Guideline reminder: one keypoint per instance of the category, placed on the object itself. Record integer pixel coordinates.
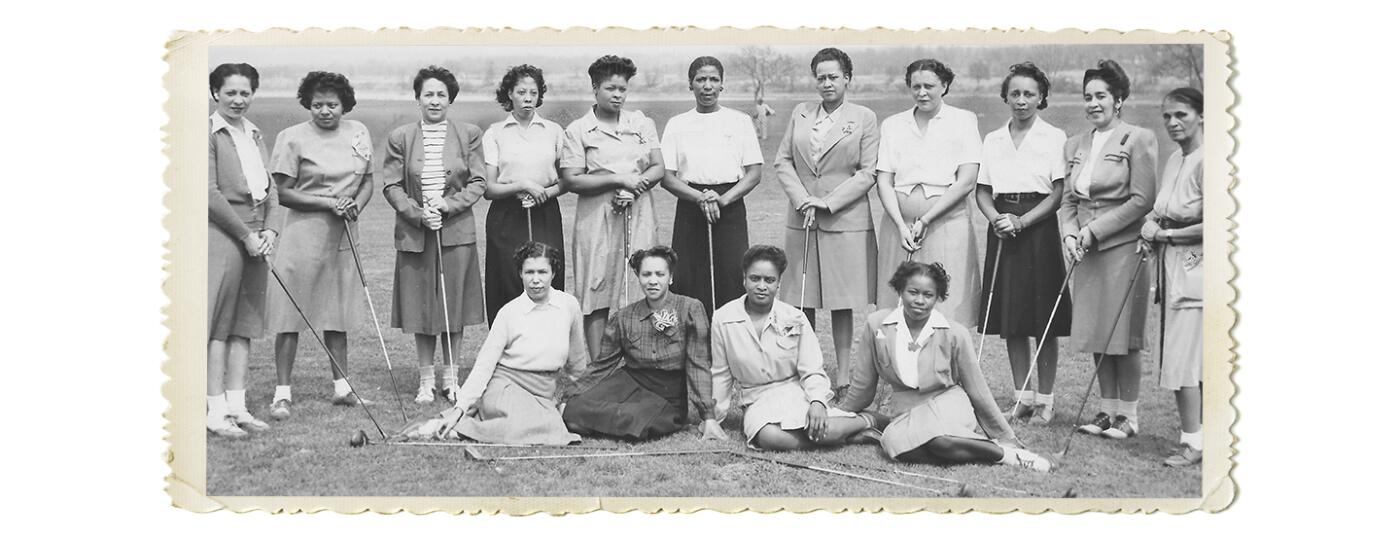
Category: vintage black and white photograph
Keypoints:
(756, 264)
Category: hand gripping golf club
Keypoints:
(1099, 358)
(446, 321)
(1035, 359)
(316, 334)
(364, 283)
(991, 295)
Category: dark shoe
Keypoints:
(281, 409)
(1019, 412)
(1186, 457)
(1041, 415)
(1122, 428)
(350, 400)
(1098, 425)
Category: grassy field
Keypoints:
(310, 455)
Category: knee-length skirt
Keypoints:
(950, 241)
(840, 269)
(948, 413)
(1182, 274)
(237, 289)
(785, 405)
(418, 297)
(631, 403)
(1100, 287)
(731, 240)
(313, 258)
(517, 408)
(1021, 296)
(506, 231)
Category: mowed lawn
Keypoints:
(310, 454)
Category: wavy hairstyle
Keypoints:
(611, 65)
(764, 252)
(224, 71)
(325, 81)
(909, 269)
(834, 54)
(534, 250)
(944, 73)
(1112, 75)
(664, 253)
(1029, 71)
(512, 78)
(443, 75)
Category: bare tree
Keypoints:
(1181, 61)
(764, 65)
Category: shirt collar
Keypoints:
(535, 118)
(734, 312)
(644, 310)
(554, 300)
(896, 317)
(217, 122)
(822, 114)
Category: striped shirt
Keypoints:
(434, 176)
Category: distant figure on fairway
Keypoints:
(762, 112)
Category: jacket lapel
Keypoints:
(803, 136)
(838, 130)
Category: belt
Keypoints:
(1169, 223)
(1020, 197)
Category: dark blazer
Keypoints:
(403, 184)
(231, 205)
(842, 176)
(1122, 190)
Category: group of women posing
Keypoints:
(713, 313)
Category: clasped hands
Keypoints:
(260, 243)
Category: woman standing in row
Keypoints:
(612, 159)
(1112, 181)
(712, 161)
(826, 164)
(1175, 227)
(928, 166)
(432, 177)
(522, 182)
(1018, 189)
(243, 214)
(324, 174)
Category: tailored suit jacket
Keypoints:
(1122, 185)
(403, 184)
(231, 206)
(842, 175)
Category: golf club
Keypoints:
(932, 477)
(316, 334)
(710, 241)
(991, 295)
(530, 223)
(803, 466)
(360, 439)
(472, 454)
(806, 241)
(1035, 358)
(364, 283)
(446, 322)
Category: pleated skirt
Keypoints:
(731, 240)
(950, 241)
(237, 289)
(506, 231)
(517, 408)
(1021, 297)
(418, 297)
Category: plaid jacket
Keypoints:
(632, 339)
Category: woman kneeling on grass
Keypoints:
(655, 356)
(940, 398)
(769, 349)
(509, 395)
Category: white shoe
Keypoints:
(224, 427)
(1027, 459)
(425, 394)
(247, 421)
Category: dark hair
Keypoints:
(703, 61)
(512, 78)
(534, 250)
(832, 53)
(325, 81)
(1112, 75)
(443, 75)
(908, 269)
(1188, 96)
(764, 252)
(664, 253)
(224, 71)
(1029, 71)
(610, 65)
(928, 64)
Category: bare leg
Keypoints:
(218, 357)
(839, 428)
(1018, 349)
(285, 354)
(593, 326)
(1129, 375)
(841, 330)
(1188, 405)
(1047, 364)
(237, 370)
(1108, 375)
(336, 342)
(772, 437)
(949, 450)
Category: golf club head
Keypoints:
(359, 439)
(471, 454)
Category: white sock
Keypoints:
(1026, 397)
(1048, 400)
(1109, 406)
(1128, 409)
(342, 387)
(1195, 440)
(218, 406)
(282, 392)
(425, 375)
(236, 401)
(449, 376)
(1008, 455)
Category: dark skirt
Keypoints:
(237, 289)
(631, 403)
(506, 231)
(418, 297)
(731, 237)
(1029, 277)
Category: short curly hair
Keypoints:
(224, 71)
(832, 53)
(1112, 75)
(934, 271)
(534, 250)
(1029, 71)
(443, 75)
(512, 78)
(701, 62)
(325, 81)
(609, 66)
(764, 252)
(944, 73)
(664, 253)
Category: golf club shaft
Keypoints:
(364, 283)
(446, 321)
(991, 295)
(710, 241)
(806, 241)
(530, 223)
(602, 455)
(459, 444)
(796, 465)
(314, 333)
(931, 477)
(1035, 358)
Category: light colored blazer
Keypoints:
(231, 206)
(842, 176)
(948, 359)
(1122, 190)
(403, 184)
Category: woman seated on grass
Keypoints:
(769, 350)
(509, 395)
(655, 356)
(940, 398)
